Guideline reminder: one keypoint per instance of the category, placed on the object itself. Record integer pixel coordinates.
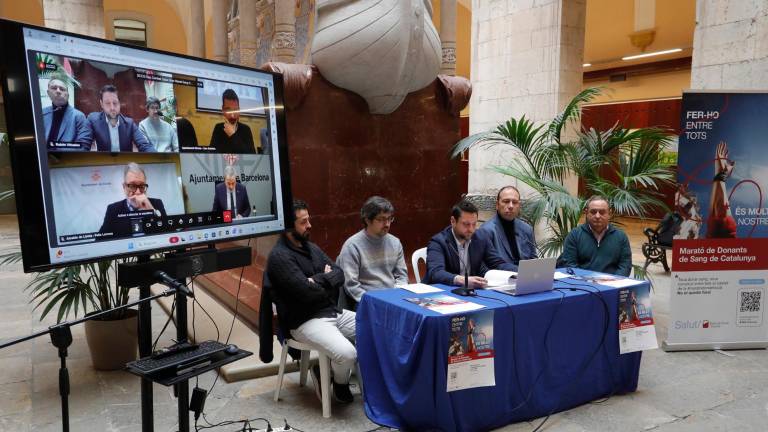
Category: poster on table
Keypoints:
(637, 331)
(720, 253)
(470, 351)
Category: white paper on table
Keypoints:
(420, 288)
(456, 308)
(620, 283)
(561, 275)
(444, 304)
(500, 277)
(470, 374)
(637, 339)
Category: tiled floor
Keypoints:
(693, 391)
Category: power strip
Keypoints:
(276, 429)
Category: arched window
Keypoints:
(130, 31)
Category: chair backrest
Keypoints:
(418, 254)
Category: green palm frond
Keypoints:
(624, 165)
(572, 112)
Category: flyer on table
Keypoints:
(720, 251)
(637, 331)
(470, 351)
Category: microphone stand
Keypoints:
(465, 291)
(61, 338)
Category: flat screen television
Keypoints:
(118, 150)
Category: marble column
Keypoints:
(84, 17)
(219, 30)
(730, 45)
(196, 29)
(284, 40)
(248, 33)
(448, 36)
(526, 59)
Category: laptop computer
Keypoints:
(533, 275)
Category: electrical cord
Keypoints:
(526, 398)
(165, 326)
(231, 326)
(601, 345)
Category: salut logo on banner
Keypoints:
(682, 325)
(699, 324)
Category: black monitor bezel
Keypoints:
(24, 154)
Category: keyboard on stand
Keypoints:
(183, 358)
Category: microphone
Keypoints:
(165, 279)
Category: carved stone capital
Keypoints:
(449, 55)
(284, 40)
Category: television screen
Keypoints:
(119, 150)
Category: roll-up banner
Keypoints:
(720, 254)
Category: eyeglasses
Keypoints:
(133, 187)
(384, 219)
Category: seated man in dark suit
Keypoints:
(231, 195)
(63, 123)
(112, 131)
(450, 250)
(512, 238)
(124, 216)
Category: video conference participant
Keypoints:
(231, 195)
(121, 216)
(158, 131)
(64, 123)
(512, 238)
(112, 131)
(305, 286)
(597, 245)
(231, 136)
(459, 244)
(373, 258)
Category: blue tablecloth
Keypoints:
(403, 353)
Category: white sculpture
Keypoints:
(379, 49)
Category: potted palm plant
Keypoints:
(626, 166)
(78, 289)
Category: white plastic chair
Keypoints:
(418, 254)
(325, 371)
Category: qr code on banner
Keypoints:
(750, 301)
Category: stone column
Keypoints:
(248, 33)
(730, 45)
(196, 29)
(448, 36)
(85, 17)
(526, 59)
(219, 30)
(284, 40)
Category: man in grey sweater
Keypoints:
(372, 258)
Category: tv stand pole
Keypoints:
(145, 350)
(182, 388)
(178, 265)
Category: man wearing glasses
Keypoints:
(124, 217)
(372, 258)
(597, 245)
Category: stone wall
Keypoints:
(730, 45)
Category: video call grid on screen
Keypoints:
(185, 182)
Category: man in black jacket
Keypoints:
(306, 286)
